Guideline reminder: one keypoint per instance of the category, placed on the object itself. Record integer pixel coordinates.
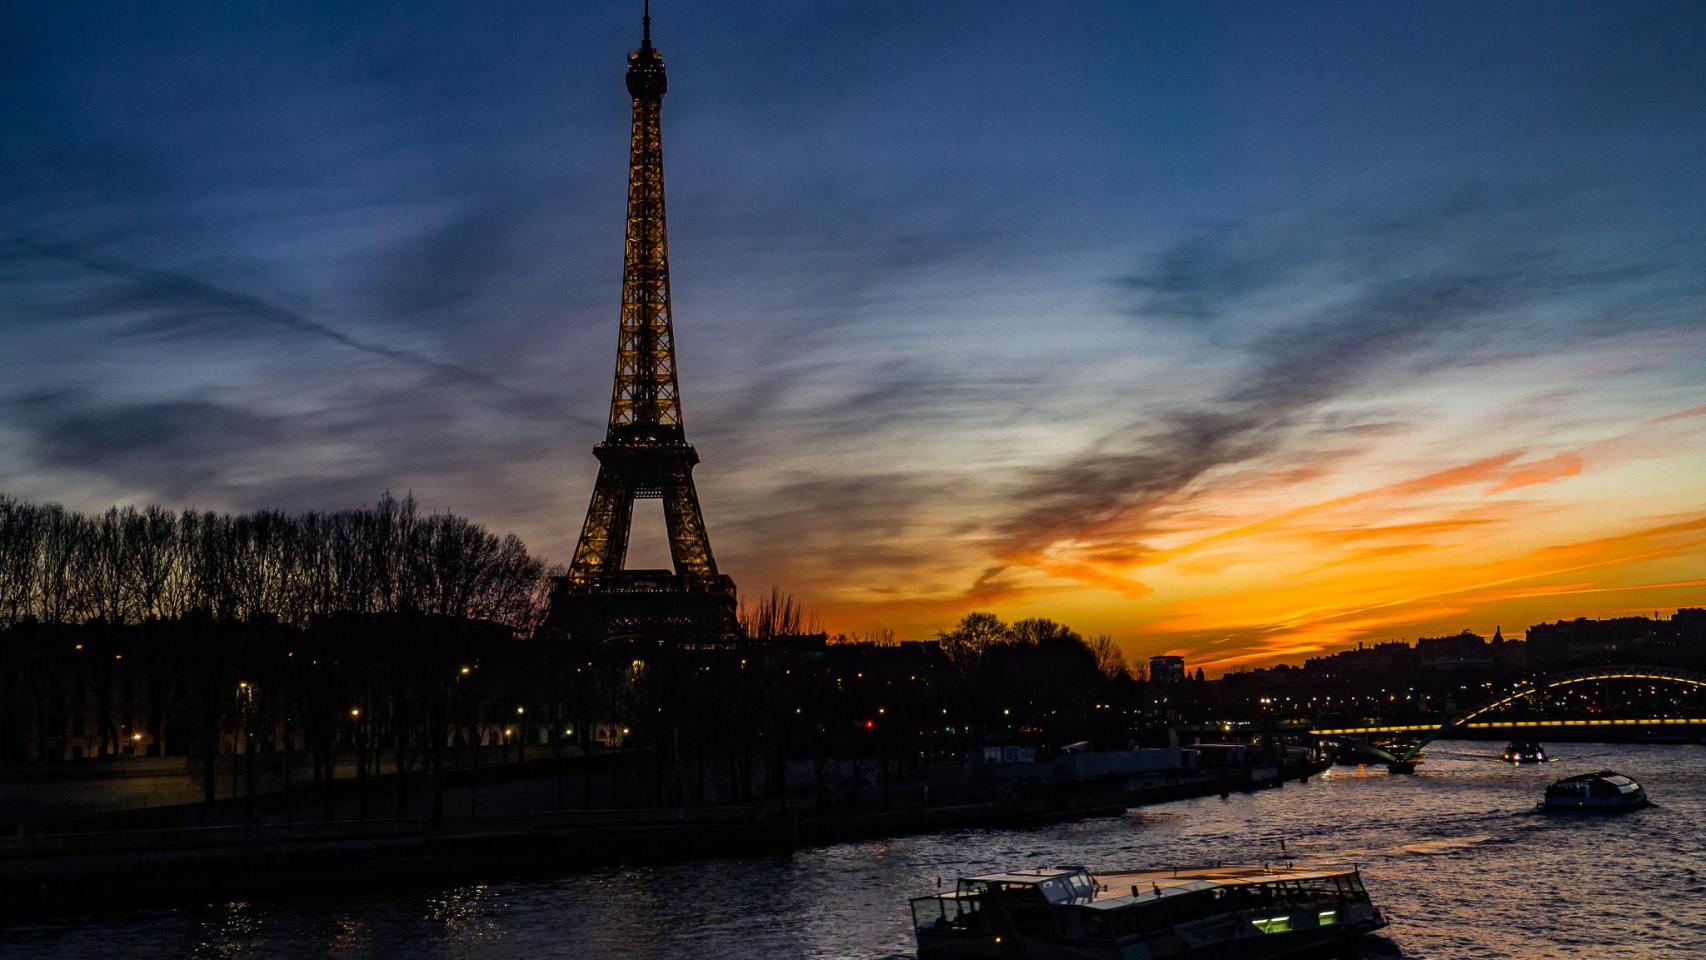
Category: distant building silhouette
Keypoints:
(1167, 670)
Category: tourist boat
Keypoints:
(1605, 791)
(1243, 912)
(1524, 751)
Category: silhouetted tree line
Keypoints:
(356, 634)
(879, 710)
(130, 565)
(980, 635)
(388, 638)
(1041, 681)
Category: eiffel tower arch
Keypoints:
(645, 453)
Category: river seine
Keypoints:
(1453, 855)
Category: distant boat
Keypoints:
(1241, 912)
(1602, 792)
(1524, 751)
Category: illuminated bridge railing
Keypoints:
(1467, 721)
(1508, 724)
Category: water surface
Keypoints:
(1453, 855)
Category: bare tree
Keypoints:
(58, 566)
(20, 551)
(1110, 659)
(777, 614)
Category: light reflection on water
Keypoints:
(1453, 855)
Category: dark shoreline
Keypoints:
(63, 876)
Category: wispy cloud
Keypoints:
(1236, 332)
(216, 306)
(1423, 310)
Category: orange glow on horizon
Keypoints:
(1234, 575)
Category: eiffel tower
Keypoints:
(645, 453)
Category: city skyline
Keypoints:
(1404, 338)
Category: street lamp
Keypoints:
(521, 739)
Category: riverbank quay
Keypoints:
(63, 874)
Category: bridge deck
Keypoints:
(1510, 724)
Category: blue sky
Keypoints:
(977, 303)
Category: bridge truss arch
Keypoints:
(1563, 679)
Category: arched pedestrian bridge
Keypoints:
(1467, 720)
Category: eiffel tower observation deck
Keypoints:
(645, 453)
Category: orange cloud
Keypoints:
(1237, 571)
(1679, 415)
(1540, 471)
(1468, 473)
(1365, 603)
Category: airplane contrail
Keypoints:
(189, 287)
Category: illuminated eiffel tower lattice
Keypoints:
(645, 453)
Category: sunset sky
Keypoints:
(1242, 331)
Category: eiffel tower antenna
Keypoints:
(645, 453)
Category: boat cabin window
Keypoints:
(1055, 890)
(1348, 885)
(949, 915)
(1315, 889)
(968, 887)
(1064, 889)
(1024, 891)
